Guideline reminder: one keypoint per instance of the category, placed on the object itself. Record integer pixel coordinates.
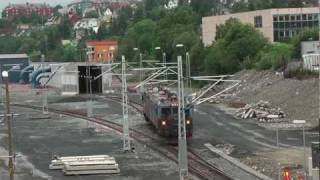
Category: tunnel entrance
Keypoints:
(85, 74)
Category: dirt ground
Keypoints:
(299, 99)
(268, 162)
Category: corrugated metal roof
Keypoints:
(13, 56)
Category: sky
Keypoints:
(4, 3)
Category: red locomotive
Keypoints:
(161, 109)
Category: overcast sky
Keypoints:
(4, 3)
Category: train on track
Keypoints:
(160, 108)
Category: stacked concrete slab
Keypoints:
(85, 165)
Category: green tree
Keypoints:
(65, 28)
(121, 23)
(239, 6)
(92, 14)
(305, 35)
(3, 14)
(203, 7)
(275, 56)
(141, 35)
(295, 3)
(236, 43)
(69, 53)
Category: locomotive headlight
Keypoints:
(188, 122)
(163, 123)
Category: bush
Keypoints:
(300, 74)
(247, 63)
(264, 64)
(306, 35)
(275, 56)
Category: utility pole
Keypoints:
(140, 72)
(125, 112)
(8, 117)
(88, 82)
(188, 70)
(45, 107)
(164, 60)
(183, 159)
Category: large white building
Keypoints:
(275, 24)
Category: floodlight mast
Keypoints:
(183, 158)
(125, 112)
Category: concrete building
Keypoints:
(72, 78)
(102, 51)
(13, 63)
(275, 24)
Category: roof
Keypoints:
(29, 5)
(272, 11)
(13, 56)
(102, 43)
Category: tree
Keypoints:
(203, 7)
(65, 28)
(92, 14)
(239, 6)
(295, 3)
(275, 56)
(120, 24)
(3, 14)
(305, 35)
(236, 43)
(69, 53)
(141, 35)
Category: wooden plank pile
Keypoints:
(261, 111)
(85, 165)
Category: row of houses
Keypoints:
(18, 10)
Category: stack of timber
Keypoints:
(261, 111)
(85, 165)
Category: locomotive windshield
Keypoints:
(187, 112)
(175, 111)
(166, 111)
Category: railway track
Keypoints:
(206, 169)
(197, 165)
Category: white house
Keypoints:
(88, 23)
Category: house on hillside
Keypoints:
(88, 23)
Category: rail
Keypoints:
(197, 165)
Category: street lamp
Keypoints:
(188, 70)
(164, 60)
(5, 76)
(90, 54)
(140, 66)
(303, 122)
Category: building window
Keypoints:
(275, 18)
(258, 21)
(281, 18)
(292, 18)
(287, 25)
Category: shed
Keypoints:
(13, 63)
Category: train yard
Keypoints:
(141, 132)
(151, 134)
(198, 166)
